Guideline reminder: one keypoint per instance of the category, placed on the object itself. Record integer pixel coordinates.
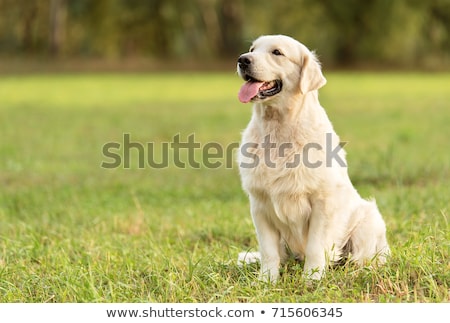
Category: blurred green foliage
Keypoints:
(401, 33)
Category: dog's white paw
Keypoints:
(248, 258)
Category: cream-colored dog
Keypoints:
(294, 170)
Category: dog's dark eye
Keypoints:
(277, 52)
(251, 49)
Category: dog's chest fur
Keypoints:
(272, 169)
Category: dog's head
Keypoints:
(278, 64)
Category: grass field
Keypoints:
(72, 231)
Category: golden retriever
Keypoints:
(293, 167)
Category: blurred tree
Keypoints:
(437, 31)
(23, 26)
(29, 10)
(230, 21)
(347, 32)
(57, 25)
(355, 23)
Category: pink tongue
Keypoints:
(248, 91)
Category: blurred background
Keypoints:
(206, 34)
(72, 231)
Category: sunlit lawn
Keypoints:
(72, 231)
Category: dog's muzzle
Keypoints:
(254, 88)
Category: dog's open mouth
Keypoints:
(258, 89)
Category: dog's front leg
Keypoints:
(315, 260)
(320, 245)
(268, 239)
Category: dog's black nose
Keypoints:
(244, 61)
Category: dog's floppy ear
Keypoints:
(311, 77)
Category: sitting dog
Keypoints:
(294, 170)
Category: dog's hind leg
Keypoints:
(368, 239)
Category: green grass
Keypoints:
(73, 232)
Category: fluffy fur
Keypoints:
(300, 198)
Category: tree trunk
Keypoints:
(58, 14)
(230, 13)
